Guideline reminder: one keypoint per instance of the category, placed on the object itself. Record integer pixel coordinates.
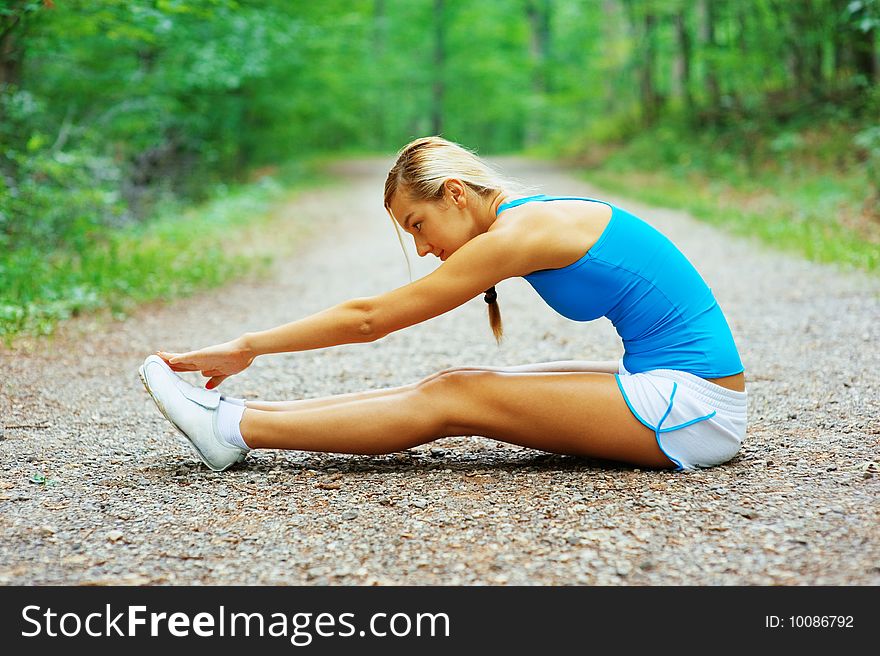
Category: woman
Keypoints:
(676, 399)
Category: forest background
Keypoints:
(140, 138)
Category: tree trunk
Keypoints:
(380, 35)
(683, 61)
(539, 13)
(11, 51)
(840, 41)
(808, 48)
(736, 90)
(865, 54)
(709, 46)
(439, 65)
(643, 22)
(647, 88)
(817, 54)
(855, 50)
(12, 47)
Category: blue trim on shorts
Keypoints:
(656, 429)
(669, 407)
(629, 405)
(688, 423)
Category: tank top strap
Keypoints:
(518, 202)
(544, 197)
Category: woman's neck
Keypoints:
(492, 208)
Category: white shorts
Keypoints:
(697, 423)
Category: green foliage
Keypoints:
(794, 196)
(180, 94)
(115, 111)
(49, 196)
(179, 252)
(869, 141)
(864, 15)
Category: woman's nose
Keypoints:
(423, 249)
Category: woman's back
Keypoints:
(659, 304)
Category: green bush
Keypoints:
(173, 255)
(869, 141)
(788, 185)
(51, 198)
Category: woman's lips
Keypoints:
(441, 256)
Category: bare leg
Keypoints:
(324, 401)
(573, 413)
(558, 366)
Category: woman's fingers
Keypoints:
(181, 366)
(215, 380)
(173, 360)
(209, 364)
(177, 358)
(178, 361)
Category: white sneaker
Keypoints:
(192, 410)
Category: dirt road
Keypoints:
(96, 488)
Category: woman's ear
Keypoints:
(457, 192)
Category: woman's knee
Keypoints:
(452, 379)
(444, 397)
(444, 376)
(454, 393)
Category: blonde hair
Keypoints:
(422, 168)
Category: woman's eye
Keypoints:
(418, 226)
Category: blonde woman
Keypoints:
(675, 400)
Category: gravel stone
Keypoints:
(122, 500)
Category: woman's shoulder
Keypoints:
(560, 231)
(542, 209)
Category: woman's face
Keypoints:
(438, 228)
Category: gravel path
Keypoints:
(95, 488)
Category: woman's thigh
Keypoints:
(575, 413)
(556, 366)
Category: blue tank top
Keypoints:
(662, 309)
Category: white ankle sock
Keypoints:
(228, 420)
(232, 400)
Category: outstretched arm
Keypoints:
(479, 264)
(341, 324)
(345, 323)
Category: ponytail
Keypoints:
(491, 299)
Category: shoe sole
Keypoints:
(179, 429)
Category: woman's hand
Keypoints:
(217, 362)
